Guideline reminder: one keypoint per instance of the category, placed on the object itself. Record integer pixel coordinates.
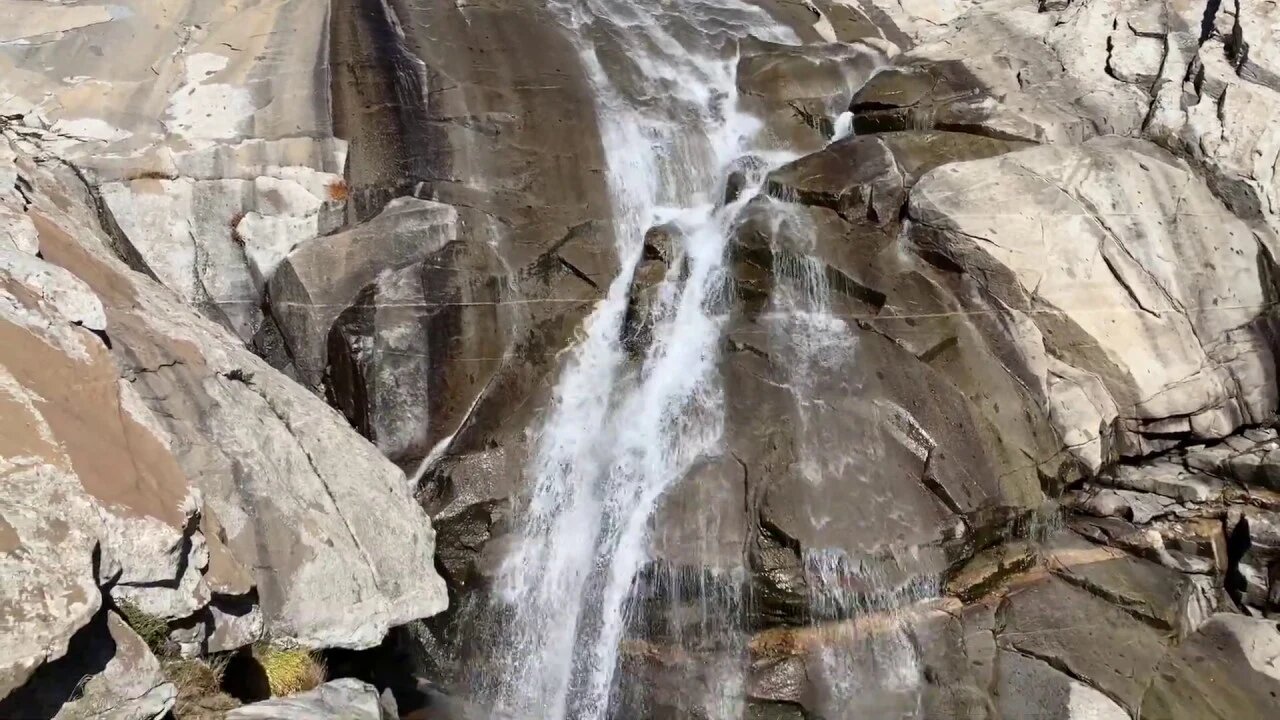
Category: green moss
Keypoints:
(289, 670)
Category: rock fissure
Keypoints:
(132, 375)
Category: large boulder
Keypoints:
(151, 456)
(92, 493)
(322, 277)
(429, 355)
(1142, 311)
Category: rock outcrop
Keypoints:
(1146, 300)
(1226, 669)
(191, 481)
(426, 355)
(226, 159)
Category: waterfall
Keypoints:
(862, 669)
(620, 431)
(843, 125)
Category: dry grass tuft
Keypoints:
(153, 175)
(196, 677)
(199, 684)
(289, 670)
(153, 630)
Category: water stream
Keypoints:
(619, 432)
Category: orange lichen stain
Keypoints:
(338, 191)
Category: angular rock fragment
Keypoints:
(345, 699)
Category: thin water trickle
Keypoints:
(859, 673)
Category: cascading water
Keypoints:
(619, 433)
(867, 664)
(614, 439)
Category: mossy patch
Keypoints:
(289, 670)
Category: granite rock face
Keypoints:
(1147, 303)
(1058, 305)
(192, 482)
(486, 109)
(999, 347)
(1227, 669)
(226, 159)
(1184, 75)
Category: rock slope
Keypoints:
(196, 483)
(154, 465)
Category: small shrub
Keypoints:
(153, 175)
(338, 191)
(236, 237)
(153, 630)
(289, 670)
(239, 375)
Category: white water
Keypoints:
(868, 664)
(615, 439)
(617, 434)
(843, 126)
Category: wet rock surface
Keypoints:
(484, 109)
(1080, 620)
(999, 350)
